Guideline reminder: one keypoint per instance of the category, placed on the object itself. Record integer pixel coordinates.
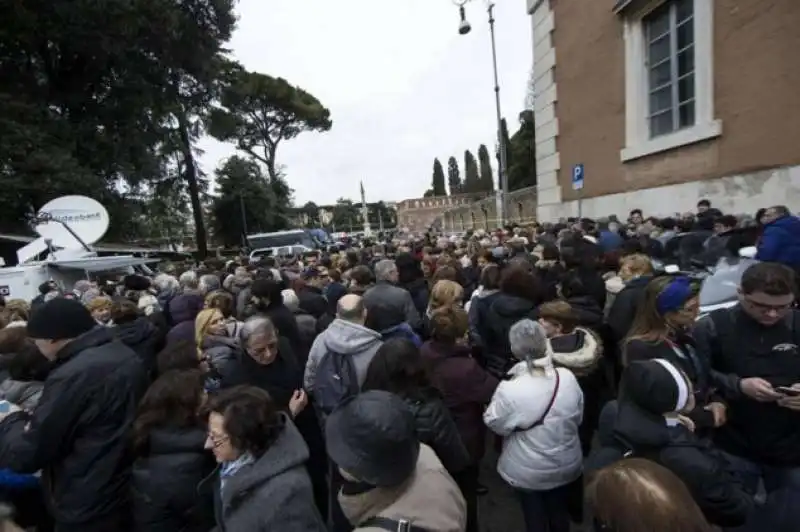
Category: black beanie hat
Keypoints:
(60, 319)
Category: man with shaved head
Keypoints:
(346, 335)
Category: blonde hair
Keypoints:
(635, 265)
(445, 293)
(99, 303)
(17, 310)
(201, 324)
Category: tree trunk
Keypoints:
(194, 189)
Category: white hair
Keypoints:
(148, 304)
(529, 343)
(165, 282)
(290, 299)
(384, 269)
(209, 283)
(188, 279)
(258, 326)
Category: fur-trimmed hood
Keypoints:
(579, 352)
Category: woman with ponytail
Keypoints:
(662, 329)
(538, 412)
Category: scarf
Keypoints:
(229, 469)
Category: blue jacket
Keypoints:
(17, 481)
(781, 242)
(609, 241)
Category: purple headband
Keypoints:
(674, 295)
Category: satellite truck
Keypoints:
(67, 228)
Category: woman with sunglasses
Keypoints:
(662, 330)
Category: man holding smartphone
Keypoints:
(754, 359)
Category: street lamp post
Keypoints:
(502, 185)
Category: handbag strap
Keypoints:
(547, 410)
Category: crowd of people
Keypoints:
(362, 389)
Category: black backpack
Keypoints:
(335, 380)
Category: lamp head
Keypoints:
(463, 26)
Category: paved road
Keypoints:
(499, 509)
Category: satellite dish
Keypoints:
(87, 218)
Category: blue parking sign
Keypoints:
(577, 177)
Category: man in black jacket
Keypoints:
(753, 352)
(77, 435)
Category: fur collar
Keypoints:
(583, 361)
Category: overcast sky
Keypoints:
(402, 86)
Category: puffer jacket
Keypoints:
(538, 456)
(164, 483)
(23, 394)
(430, 499)
(436, 428)
(220, 350)
(781, 242)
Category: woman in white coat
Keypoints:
(538, 412)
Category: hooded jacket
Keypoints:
(346, 338)
(430, 499)
(650, 390)
(506, 310)
(548, 455)
(81, 423)
(143, 337)
(273, 494)
(781, 242)
(183, 310)
(581, 353)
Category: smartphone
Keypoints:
(785, 390)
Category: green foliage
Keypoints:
(486, 178)
(99, 97)
(243, 193)
(346, 216)
(429, 193)
(522, 171)
(311, 211)
(454, 176)
(258, 111)
(437, 181)
(472, 176)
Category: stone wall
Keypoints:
(482, 214)
(418, 214)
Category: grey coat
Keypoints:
(388, 295)
(274, 493)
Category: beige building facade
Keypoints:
(666, 102)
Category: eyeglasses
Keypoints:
(217, 439)
(763, 307)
